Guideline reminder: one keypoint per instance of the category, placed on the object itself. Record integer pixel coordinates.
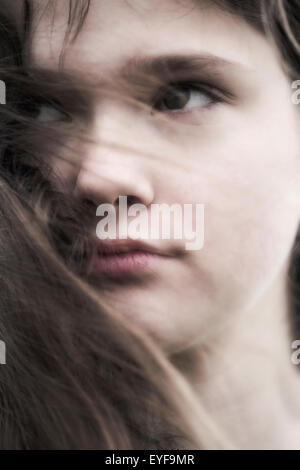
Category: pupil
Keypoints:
(175, 99)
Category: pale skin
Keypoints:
(221, 312)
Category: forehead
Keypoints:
(117, 30)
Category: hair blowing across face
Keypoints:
(77, 375)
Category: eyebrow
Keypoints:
(169, 67)
(171, 63)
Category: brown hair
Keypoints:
(77, 375)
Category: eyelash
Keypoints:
(213, 93)
(35, 105)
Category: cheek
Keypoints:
(251, 217)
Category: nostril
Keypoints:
(130, 200)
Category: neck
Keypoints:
(245, 377)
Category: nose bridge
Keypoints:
(111, 166)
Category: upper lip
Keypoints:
(128, 245)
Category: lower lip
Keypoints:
(124, 262)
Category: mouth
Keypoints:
(125, 256)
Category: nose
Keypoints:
(109, 171)
(103, 183)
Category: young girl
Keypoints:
(165, 103)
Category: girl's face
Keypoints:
(238, 137)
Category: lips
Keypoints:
(123, 256)
(124, 246)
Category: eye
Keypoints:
(48, 113)
(45, 111)
(184, 97)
